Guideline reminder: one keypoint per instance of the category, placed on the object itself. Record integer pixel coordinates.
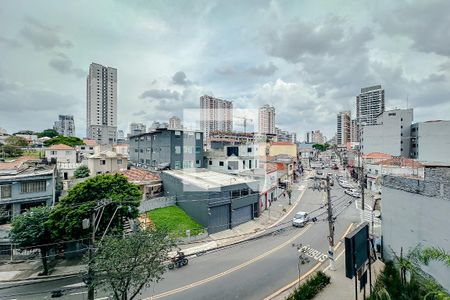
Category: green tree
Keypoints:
(16, 141)
(10, 151)
(67, 216)
(66, 140)
(81, 172)
(30, 230)
(51, 133)
(128, 264)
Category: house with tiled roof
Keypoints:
(107, 162)
(61, 153)
(149, 183)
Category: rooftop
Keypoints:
(15, 164)
(207, 179)
(282, 143)
(90, 142)
(107, 154)
(60, 147)
(400, 162)
(377, 155)
(140, 175)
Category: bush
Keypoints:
(81, 172)
(311, 287)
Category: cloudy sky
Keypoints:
(307, 58)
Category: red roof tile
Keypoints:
(10, 165)
(282, 143)
(60, 147)
(377, 155)
(401, 162)
(140, 175)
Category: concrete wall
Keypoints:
(112, 165)
(417, 211)
(434, 141)
(62, 156)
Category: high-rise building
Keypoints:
(101, 124)
(267, 119)
(65, 125)
(343, 127)
(354, 131)
(120, 135)
(317, 137)
(369, 105)
(137, 128)
(216, 115)
(175, 123)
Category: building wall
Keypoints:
(266, 119)
(391, 135)
(111, 165)
(369, 105)
(431, 141)
(417, 213)
(215, 115)
(343, 127)
(290, 150)
(66, 156)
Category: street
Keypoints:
(254, 269)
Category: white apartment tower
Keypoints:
(343, 127)
(102, 104)
(369, 105)
(65, 125)
(215, 115)
(267, 119)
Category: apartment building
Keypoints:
(215, 115)
(266, 119)
(65, 125)
(369, 105)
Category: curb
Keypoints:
(38, 279)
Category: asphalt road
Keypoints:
(250, 270)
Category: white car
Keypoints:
(353, 192)
(300, 219)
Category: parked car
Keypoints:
(353, 192)
(300, 219)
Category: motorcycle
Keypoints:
(178, 261)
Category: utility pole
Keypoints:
(330, 227)
(91, 257)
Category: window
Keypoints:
(119, 161)
(249, 149)
(53, 152)
(67, 152)
(198, 150)
(5, 191)
(177, 133)
(198, 135)
(244, 192)
(235, 194)
(141, 150)
(33, 186)
(221, 163)
(102, 162)
(177, 149)
(177, 164)
(210, 163)
(197, 163)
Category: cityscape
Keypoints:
(224, 150)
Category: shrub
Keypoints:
(311, 287)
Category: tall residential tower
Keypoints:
(343, 127)
(267, 119)
(215, 115)
(369, 105)
(101, 121)
(65, 125)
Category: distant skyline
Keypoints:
(308, 59)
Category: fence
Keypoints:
(158, 202)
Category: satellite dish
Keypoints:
(376, 213)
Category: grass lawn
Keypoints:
(175, 220)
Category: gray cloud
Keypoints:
(13, 43)
(139, 113)
(41, 36)
(226, 71)
(180, 78)
(425, 23)
(63, 65)
(160, 94)
(263, 70)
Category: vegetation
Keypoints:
(66, 140)
(51, 133)
(10, 151)
(311, 287)
(393, 284)
(175, 221)
(16, 141)
(67, 216)
(81, 172)
(128, 264)
(321, 147)
(30, 230)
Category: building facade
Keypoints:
(137, 128)
(430, 141)
(232, 158)
(266, 119)
(61, 154)
(217, 201)
(167, 148)
(26, 183)
(101, 121)
(390, 134)
(369, 105)
(343, 127)
(106, 162)
(415, 211)
(65, 125)
(215, 115)
(175, 123)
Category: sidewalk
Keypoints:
(11, 272)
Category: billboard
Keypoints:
(356, 249)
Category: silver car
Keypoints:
(300, 219)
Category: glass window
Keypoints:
(177, 133)
(235, 194)
(177, 164)
(244, 192)
(33, 186)
(102, 162)
(197, 135)
(177, 149)
(119, 161)
(221, 163)
(210, 162)
(5, 191)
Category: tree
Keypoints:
(16, 141)
(51, 133)
(10, 151)
(30, 230)
(81, 172)
(128, 264)
(66, 140)
(321, 147)
(67, 216)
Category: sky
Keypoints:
(309, 59)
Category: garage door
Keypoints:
(219, 218)
(241, 215)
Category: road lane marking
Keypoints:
(234, 269)
(289, 285)
(313, 253)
